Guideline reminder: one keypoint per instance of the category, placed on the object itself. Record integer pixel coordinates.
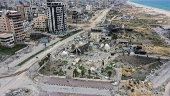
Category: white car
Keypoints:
(106, 77)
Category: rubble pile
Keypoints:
(19, 92)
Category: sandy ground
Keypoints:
(151, 9)
(167, 89)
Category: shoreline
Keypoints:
(150, 9)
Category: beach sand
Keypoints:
(151, 9)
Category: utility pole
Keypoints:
(7, 65)
(76, 19)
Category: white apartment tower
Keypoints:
(106, 3)
(57, 18)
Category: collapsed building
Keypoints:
(82, 51)
(99, 34)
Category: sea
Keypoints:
(160, 4)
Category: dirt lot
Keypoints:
(143, 66)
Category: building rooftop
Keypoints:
(42, 17)
(122, 40)
(26, 5)
(5, 34)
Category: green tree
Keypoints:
(82, 73)
(159, 58)
(96, 74)
(114, 36)
(123, 52)
(109, 74)
(75, 72)
(89, 71)
(48, 55)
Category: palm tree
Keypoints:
(123, 52)
(96, 74)
(159, 58)
(82, 72)
(75, 72)
(109, 74)
(48, 55)
(89, 71)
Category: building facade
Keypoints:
(89, 8)
(6, 39)
(83, 2)
(77, 17)
(12, 22)
(41, 23)
(25, 12)
(57, 17)
(106, 3)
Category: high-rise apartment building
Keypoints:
(89, 8)
(57, 17)
(106, 3)
(41, 23)
(25, 12)
(83, 2)
(11, 22)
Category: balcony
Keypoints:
(17, 27)
(17, 19)
(19, 30)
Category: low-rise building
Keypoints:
(96, 34)
(77, 17)
(6, 39)
(122, 41)
(41, 23)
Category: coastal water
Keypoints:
(160, 4)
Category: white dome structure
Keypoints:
(107, 47)
(64, 53)
(81, 43)
(92, 69)
(101, 45)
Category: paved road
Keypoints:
(78, 90)
(16, 79)
(163, 76)
(36, 49)
(167, 90)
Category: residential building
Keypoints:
(105, 2)
(41, 23)
(122, 41)
(57, 17)
(77, 17)
(89, 8)
(96, 34)
(3, 22)
(11, 22)
(25, 12)
(83, 2)
(6, 39)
